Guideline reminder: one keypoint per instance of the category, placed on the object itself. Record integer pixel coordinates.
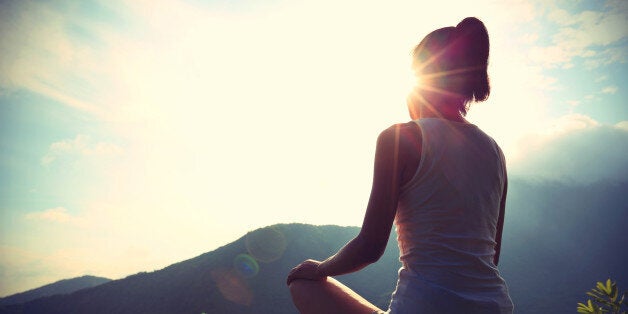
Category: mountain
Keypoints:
(229, 279)
(60, 287)
(559, 239)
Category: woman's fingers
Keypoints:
(305, 270)
(293, 274)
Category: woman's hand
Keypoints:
(307, 270)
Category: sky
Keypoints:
(137, 134)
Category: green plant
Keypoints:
(605, 299)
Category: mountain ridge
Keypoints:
(214, 282)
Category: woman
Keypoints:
(443, 182)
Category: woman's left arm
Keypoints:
(369, 245)
(500, 224)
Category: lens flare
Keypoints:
(246, 265)
(232, 287)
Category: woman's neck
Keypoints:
(430, 104)
(442, 112)
(434, 104)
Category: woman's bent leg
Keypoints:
(328, 296)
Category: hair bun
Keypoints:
(470, 25)
(473, 39)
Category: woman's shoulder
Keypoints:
(402, 128)
(402, 140)
(402, 132)
(405, 136)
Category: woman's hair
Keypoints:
(454, 60)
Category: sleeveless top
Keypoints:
(446, 224)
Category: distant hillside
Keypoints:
(559, 239)
(225, 280)
(60, 287)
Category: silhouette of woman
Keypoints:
(443, 182)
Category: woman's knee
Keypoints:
(327, 296)
(300, 296)
(300, 289)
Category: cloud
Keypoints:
(590, 35)
(610, 89)
(622, 125)
(81, 145)
(37, 54)
(60, 50)
(601, 78)
(58, 215)
(576, 149)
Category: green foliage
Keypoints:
(605, 299)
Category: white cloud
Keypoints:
(58, 215)
(622, 125)
(81, 145)
(40, 56)
(587, 34)
(65, 52)
(575, 149)
(610, 89)
(571, 123)
(610, 55)
(550, 56)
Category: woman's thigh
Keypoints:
(328, 296)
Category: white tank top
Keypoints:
(446, 223)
